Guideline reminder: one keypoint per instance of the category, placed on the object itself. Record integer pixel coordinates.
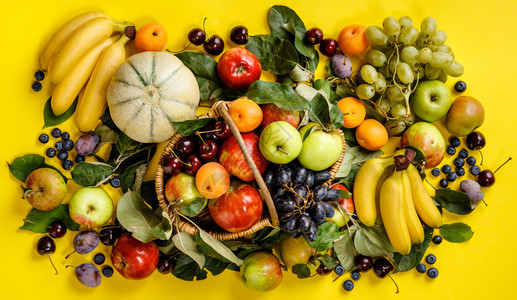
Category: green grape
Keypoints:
(425, 55)
(409, 55)
(380, 83)
(398, 111)
(455, 69)
(376, 58)
(441, 60)
(395, 127)
(405, 73)
(394, 94)
(383, 105)
(393, 65)
(443, 76)
(382, 48)
(368, 73)
(383, 70)
(409, 35)
(420, 72)
(438, 38)
(376, 35)
(391, 26)
(409, 120)
(365, 91)
(445, 49)
(405, 21)
(428, 26)
(431, 72)
(422, 42)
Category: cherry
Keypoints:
(47, 246)
(172, 165)
(57, 229)
(186, 146)
(475, 140)
(328, 47)
(197, 36)
(222, 130)
(314, 36)
(165, 265)
(192, 164)
(239, 35)
(109, 234)
(486, 178)
(214, 45)
(382, 267)
(323, 270)
(364, 263)
(208, 150)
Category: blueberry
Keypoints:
(59, 145)
(62, 155)
(421, 268)
(356, 275)
(444, 183)
(430, 259)
(452, 176)
(455, 142)
(460, 172)
(115, 182)
(463, 153)
(68, 145)
(51, 152)
(65, 135)
(348, 285)
(436, 172)
(446, 169)
(67, 164)
(99, 258)
(43, 138)
(471, 160)
(79, 158)
(475, 170)
(36, 86)
(451, 150)
(339, 270)
(432, 273)
(460, 86)
(458, 162)
(107, 271)
(39, 75)
(437, 239)
(56, 132)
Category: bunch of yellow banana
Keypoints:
(80, 59)
(398, 198)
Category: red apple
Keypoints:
(232, 159)
(346, 203)
(238, 68)
(272, 113)
(134, 259)
(261, 271)
(238, 209)
(426, 137)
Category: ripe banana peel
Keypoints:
(415, 228)
(424, 204)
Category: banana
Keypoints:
(82, 39)
(66, 91)
(424, 205)
(385, 174)
(63, 34)
(93, 102)
(415, 228)
(393, 215)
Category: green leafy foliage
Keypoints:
(301, 271)
(345, 250)
(219, 247)
(275, 55)
(407, 262)
(91, 173)
(281, 95)
(189, 127)
(39, 220)
(22, 166)
(128, 178)
(454, 201)
(456, 232)
(126, 145)
(53, 120)
(355, 156)
(215, 266)
(186, 243)
(187, 269)
(328, 232)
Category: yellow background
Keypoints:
(483, 37)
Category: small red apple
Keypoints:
(238, 68)
(232, 159)
(426, 137)
(261, 271)
(346, 203)
(238, 209)
(272, 113)
(134, 259)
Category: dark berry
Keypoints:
(36, 86)
(57, 229)
(328, 47)
(444, 183)
(196, 36)
(460, 172)
(437, 239)
(314, 36)
(382, 267)
(109, 234)
(339, 270)
(446, 169)
(165, 265)
(59, 145)
(430, 259)
(455, 142)
(39, 75)
(51, 152)
(43, 138)
(62, 155)
(56, 132)
(239, 35)
(475, 170)
(364, 263)
(432, 273)
(452, 176)
(214, 45)
(79, 158)
(475, 140)
(46, 245)
(460, 86)
(67, 164)
(463, 153)
(356, 275)
(68, 145)
(348, 285)
(486, 178)
(115, 182)
(436, 172)
(459, 162)
(471, 160)
(421, 268)
(65, 135)
(323, 270)
(99, 258)
(107, 271)
(451, 150)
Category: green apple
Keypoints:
(91, 206)
(280, 142)
(45, 189)
(466, 114)
(261, 271)
(431, 100)
(320, 149)
(182, 187)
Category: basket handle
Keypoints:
(222, 109)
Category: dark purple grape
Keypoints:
(285, 216)
(86, 144)
(57, 229)
(313, 233)
(282, 176)
(314, 36)
(239, 35)
(46, 245)
(300, 191)
(285, 206)
(332, 195)
(197, 36)
(277, 193)
(304, 223)
(296, 233)
(321, 177)
(165, 264)
(299, 175)
(291, 224)
(214, 45)
(319, 193)
(86, 241)
(309, 180)
(109, 234)
(318, 212)
(269, 178)
(88, 275)
(322, 270)
(329, 209)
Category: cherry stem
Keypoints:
(32, 222)
(175, 155)
(174, 52)
(198, 133)
(481, 156)
(429, 183)
(52, 263)
(394, 283)
(204, 30)
(66, 257)
(484, 202)
(509, 158)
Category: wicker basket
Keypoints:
(203, 220)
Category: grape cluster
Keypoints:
(301, 198)
(399, 57)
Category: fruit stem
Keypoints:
(175, 155)
(174, 52)
(481, 156)
(32, 222)
(509, 158)
(429, 183)
(66, 257)
(282, 150)
(52, 263)
(198, 133)
(394, 283)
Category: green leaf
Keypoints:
(194, 207)
(91, 173)
(456, 232)
(343, 90)
(407, 262)
(378, 236)
(189, 127)
(281, 95)
(187, 269)
(323, 86)
(279, 18)
(328, 232)
(215, 266)
(219, 247)
(106, 135)
(136, 217)
(355, 156)
(301, 270)
(162, 231)
(454, 201)
(320, 110)
(22, 166)
(126, 145)
(344, 249)
(310, 56)
(366, 247)
(204, 68)
(328, 261)
(38, 220)
(186, 243)
(128, 177)
(53, 120)
(336, 117)
(348, 181)
(275, 55)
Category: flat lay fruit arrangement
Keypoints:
(293, 174)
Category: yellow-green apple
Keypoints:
(280, 142)
(91, 206)
(431, 100)
(238, 68)
(295, 251)
(182, 187)
(232, 159)
(320, 149)
(466, 114)
(261, 271)
(272, 113)
(134, 259)
(426, 137)
(44, 189)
